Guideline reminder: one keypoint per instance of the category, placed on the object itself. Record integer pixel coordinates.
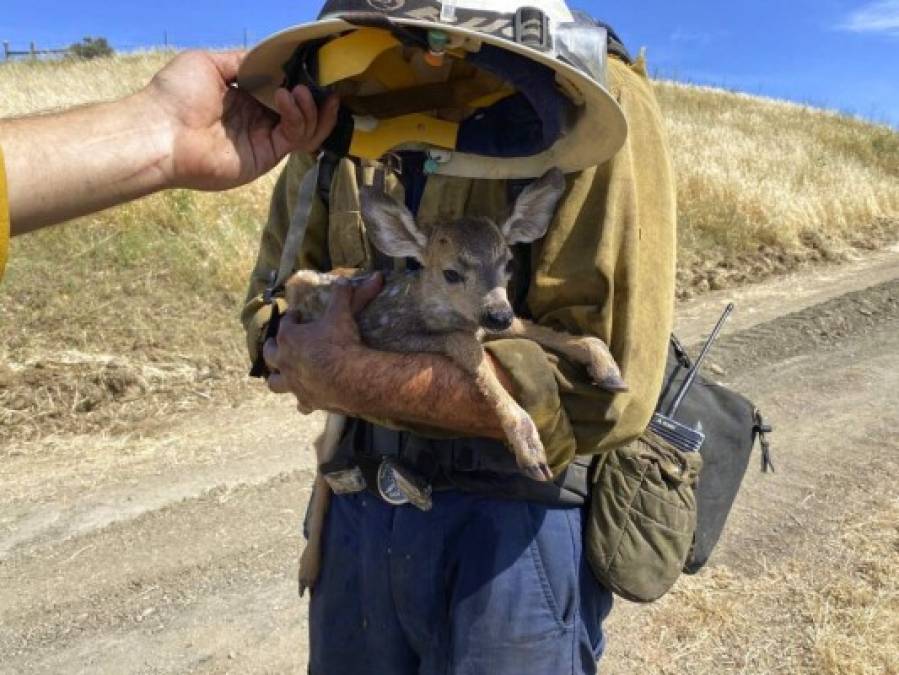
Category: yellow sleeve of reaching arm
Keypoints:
(4, 217)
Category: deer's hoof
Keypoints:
(309, 571)
(538, 472)
(416, 490)
(602, 367)
(613, 384)
(529, 452)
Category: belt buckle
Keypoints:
(388, 486)
(399, 486)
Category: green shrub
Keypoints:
(92, 48)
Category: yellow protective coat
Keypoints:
(4, 217)
(605, 268)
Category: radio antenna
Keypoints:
(694, 371)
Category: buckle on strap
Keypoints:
(346, 482)
(762, 431)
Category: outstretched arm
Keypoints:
(188, 128)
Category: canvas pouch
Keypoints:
(640, 531)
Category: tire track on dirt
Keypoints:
(152, 569)
(825, 326)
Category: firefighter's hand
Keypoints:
(222, 137)
(307, 359)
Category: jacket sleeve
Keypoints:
(313, 255)
(606, 268)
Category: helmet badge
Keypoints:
(387, 5)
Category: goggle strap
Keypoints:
(439, 96)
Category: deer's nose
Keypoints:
(498, 319)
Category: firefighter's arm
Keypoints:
(606, 268)
(326, 366)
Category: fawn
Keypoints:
(456, 301)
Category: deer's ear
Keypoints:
(391, 227)
(535, 208)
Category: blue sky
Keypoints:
(832, 53)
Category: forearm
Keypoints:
(65, 165)
(417, 389)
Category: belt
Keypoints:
(481, 466)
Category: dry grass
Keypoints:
(765, 185)
(115, 321)
(29, 87)
(854, 622)
(832, 610)
(121, 318)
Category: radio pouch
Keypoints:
(656, 512)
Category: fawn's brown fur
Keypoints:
(454, 303)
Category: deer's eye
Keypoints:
(453, 277)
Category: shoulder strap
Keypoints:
(299, 223)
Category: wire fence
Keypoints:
(33, 52)
(165, 41)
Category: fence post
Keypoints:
(6, 50)
(33, 52)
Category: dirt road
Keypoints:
(176, 553)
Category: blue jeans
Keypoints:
(477, 586)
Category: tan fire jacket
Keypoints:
(606, 268)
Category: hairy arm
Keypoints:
(189, 128)
(417, 389)
(66, 165)
(326, 366)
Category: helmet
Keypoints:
(489, 89)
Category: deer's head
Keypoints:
(467, 264)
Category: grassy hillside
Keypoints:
(131, 314)
(765, 185)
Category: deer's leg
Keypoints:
(309, 292)
(588, 351)
(311, 559)
(518, 426)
